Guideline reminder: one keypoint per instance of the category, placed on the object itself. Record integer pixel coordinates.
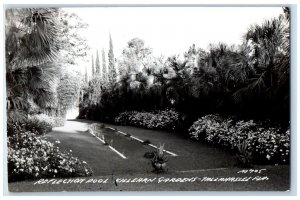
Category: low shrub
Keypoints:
(159, 160)
(124, 118)
(59, 121)
(166, 119)
(42, 123)
(265, 144)
(39, 126)
(54, 121)
(30, 156)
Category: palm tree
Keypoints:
(266, 48)
(31, 45)
(177, 77)
(31, 36)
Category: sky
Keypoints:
(169, 30)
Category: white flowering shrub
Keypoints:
(166, 119)
(58, 121)
(31, 156)
(43, 118)
(42, 123)
(38, 125)
(266, 145)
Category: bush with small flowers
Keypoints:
(165, 119)
(43, 123)
(31, 156)
(267, 145)
(38, 126)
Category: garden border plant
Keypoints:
(266, 145)
(159, 160)
(30, 156)
(168, 119)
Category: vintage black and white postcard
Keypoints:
(148, 98)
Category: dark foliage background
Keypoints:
(250, 80)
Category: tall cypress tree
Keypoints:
(93, 68)
(97, 63)
(111, 63)
(86, 76)
(104, 73)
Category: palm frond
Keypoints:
(32, 36)
(18, 102)
(238, 70)
(15, 115)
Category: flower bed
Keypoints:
(42, 123)
(266, 145)
(31, 156)
(166, 119)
